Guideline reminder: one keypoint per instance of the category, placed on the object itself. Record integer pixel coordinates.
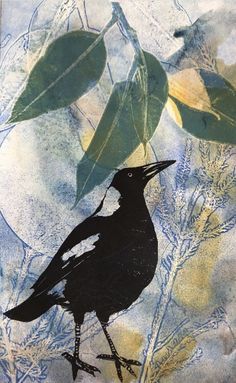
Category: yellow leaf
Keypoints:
(173, 111)
(188, 87)
(140, 156)
(227, 71)
(85, 130)
(86, 135)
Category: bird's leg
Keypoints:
(77, 340)
(76, 362)
(115, 357)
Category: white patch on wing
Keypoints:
(59, 287)
(82, 247)
(110, 202)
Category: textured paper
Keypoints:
(190, 303)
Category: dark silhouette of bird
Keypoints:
(102, 266)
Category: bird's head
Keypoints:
(132, 180)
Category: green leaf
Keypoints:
(123, 125)
(71, 66)
(220, 125)
(149, 96)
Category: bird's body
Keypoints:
(103, 265)
(119, 267)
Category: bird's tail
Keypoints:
(32, 308)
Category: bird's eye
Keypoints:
(130, 174)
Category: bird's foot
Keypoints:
(121, 362)
(78, 364)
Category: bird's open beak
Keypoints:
(152, 169)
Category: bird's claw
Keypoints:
(121, 362)
(78, 364)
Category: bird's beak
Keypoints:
(152, 169)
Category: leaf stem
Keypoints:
(139, 55)
(130, 32)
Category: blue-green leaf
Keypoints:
(131, 117)
(220, 125)
(71, 66)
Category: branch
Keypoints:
(159, 315)
(189, 253)
(130, 32)
(169, 337)
(170, 357)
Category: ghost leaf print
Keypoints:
(130, 118)
(206, 111)
(71, 66)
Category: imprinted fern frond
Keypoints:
(220, 229)
(204, 149)
(223, 152)
(177, 353)
(195, 358)
(172, 357)
(190, 252)
(167, 224)
(40, 330)
(227, 183)
(183, 169)
(165, 216)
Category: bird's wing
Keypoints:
(84, 235)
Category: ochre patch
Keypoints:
(171, 357)
(193, 286)
(128, 344)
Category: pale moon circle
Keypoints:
(38, 161)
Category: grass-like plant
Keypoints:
(187, 222)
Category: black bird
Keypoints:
(114, 258)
